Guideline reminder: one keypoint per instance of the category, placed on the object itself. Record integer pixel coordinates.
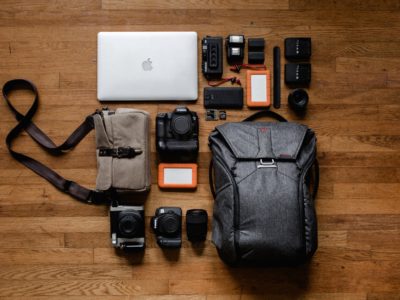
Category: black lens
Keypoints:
(129, 224)
(169, 223)
(298, 100)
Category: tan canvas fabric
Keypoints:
(123, 128)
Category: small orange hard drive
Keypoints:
(258, 88)
(177, 176)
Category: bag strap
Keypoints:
(265, 113)
(25, 123)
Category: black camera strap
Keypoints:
(25, 124)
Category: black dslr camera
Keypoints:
(127, 227)
(167, 224)
(177, 135)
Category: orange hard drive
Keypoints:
(177, 176)
(258, 88)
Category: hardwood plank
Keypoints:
(54, 224)
(64, 272)
(82, 288)
(31, 240)
(182, 4)
(368, 5)
(45, 256)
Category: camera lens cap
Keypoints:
(298, 100)
(128, 224)
(181, 124)
(169, 223)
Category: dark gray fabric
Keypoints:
(263, 215)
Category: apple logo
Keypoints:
(146, 65)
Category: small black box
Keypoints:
(256, 44)
(298, 48)
(223, 97)
(256, 57)
(298, 75)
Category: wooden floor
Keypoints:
(52, 247)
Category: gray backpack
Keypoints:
(261, 176)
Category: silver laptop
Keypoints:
(147, 66)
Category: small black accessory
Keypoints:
(256, 57)
(177, 135)
(212, 115)
(277, 77)
(223, 97)
(298, 74)
(167, 225)
(212, 64)
(215, 115)
(298, 100)
(298, 48)
(256, 44)
(196, 224)
(256, 50)
(127, 227)
(235, 49)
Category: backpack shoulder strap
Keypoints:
(25, 124)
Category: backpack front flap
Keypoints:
(259, 210)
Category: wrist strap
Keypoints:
(25, 124)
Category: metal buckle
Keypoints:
(264, 164)
(127, 152)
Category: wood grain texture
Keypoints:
(52, 247)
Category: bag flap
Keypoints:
(256, 140)
(123, 128)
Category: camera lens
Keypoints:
(298, 100)
(181, 125)
(129, 224)
(169, 223)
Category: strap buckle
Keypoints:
(266, 164)
(127, 152)
(120, 152)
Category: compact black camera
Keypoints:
(177, 135)
(127, 227)
(167, 225)
(212, 53)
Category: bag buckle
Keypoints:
(266, 164)
(127, 152)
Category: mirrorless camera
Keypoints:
(177, 135)
(127, 227)
(167, 224)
